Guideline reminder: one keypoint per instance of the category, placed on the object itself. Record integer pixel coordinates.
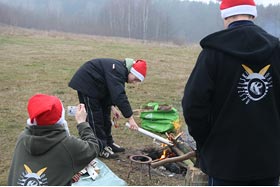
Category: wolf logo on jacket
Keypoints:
(29, 178)
(254, 86)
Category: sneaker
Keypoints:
(116, 148)
(108, 153)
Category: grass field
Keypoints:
(43, 62)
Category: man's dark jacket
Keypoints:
(104, 79)
(231, 104)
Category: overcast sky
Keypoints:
(258, 2)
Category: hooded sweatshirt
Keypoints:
(47, 155)
(231, 104)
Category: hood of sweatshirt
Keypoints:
(39, 139)
(247, 42)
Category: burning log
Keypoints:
(173, 159)
(181, 148)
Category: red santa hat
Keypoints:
(139, 69)
(234, 7)
(45, 110)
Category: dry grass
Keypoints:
(43, 62)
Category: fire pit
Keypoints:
(142, 160)
(175, 153)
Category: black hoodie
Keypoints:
(231, 104)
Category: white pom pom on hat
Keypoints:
(139, 69)
(236, 7)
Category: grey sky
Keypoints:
(258, 2)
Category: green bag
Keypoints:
(158, 118)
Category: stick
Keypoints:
(189, 162)
(173, 159)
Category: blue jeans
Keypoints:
(260, 182)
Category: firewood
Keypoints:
(182, 149)
(173, 159)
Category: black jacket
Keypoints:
(104, 79)
(231, 104)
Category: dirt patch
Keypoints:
(140, 176)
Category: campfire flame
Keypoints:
(167, 151)
(164, 154)
(177, 125)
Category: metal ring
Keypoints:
(142, 159)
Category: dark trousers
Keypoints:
(99, 118)
(261, 182)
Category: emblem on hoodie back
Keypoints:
(28, 178)
(254, 86)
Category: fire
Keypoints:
(177, 125)
(164, 154)
(167, 151)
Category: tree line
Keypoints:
(174, 21)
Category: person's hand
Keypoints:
(81, 114)
(133, 124)
(116, 113)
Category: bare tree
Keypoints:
(129, 19)
(146, 6)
